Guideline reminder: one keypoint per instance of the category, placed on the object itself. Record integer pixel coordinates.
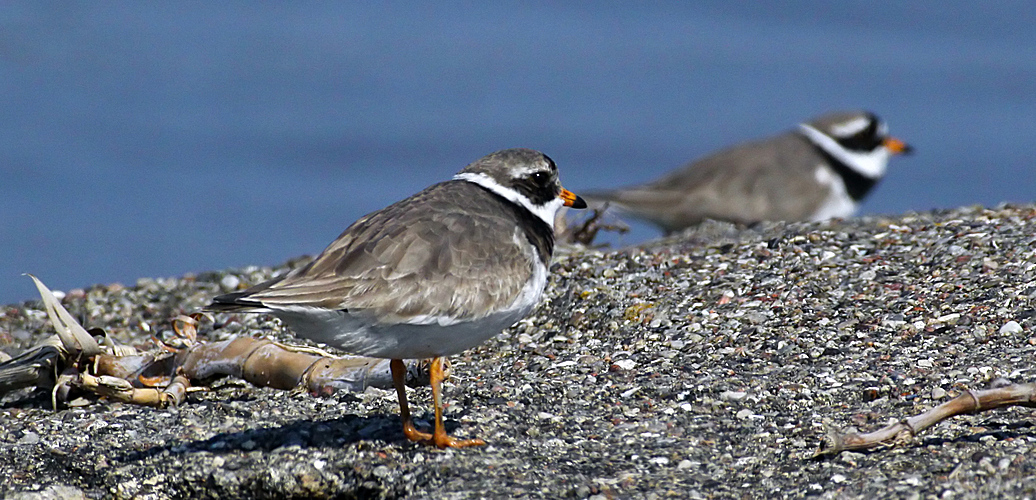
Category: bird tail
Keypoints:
(235, 302)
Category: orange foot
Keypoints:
(438, 439)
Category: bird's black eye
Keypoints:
(540, 178)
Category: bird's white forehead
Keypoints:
(851, 127)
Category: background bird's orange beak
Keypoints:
(571, 200)
(897, 146)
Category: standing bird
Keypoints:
(429, 276)
(820, 170)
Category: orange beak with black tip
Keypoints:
(897, 147)
(571, 200)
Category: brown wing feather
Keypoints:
(442, 252)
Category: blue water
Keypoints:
(143, 139)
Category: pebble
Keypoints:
(1010, 328)
(230, 282)
(733, 395)
(626, 364)
(29, 438)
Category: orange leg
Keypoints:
(399, 380)
(439, 438)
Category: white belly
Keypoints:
(838, 203)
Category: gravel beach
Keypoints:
(706, 365)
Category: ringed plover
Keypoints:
(429, 276)
(820, 170)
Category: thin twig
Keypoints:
(901, 432)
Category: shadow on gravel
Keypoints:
(1001, 431)
(331, 433)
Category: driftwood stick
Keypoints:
(119, 389)
(74, 359)
(35, 367)
(265, 363)
(584, 233)
(904, 430)
(260, 362)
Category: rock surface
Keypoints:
(701, 366)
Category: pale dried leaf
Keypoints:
(74, 337)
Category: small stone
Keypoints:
(938, 393)
(625, 364)
(1010, 328)
(850, 458)
(54, 491)
(29, 438)
(230, 282)
(744, 414)
(893, 321)
(733, 395)
(582, 491)
(871, 393)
